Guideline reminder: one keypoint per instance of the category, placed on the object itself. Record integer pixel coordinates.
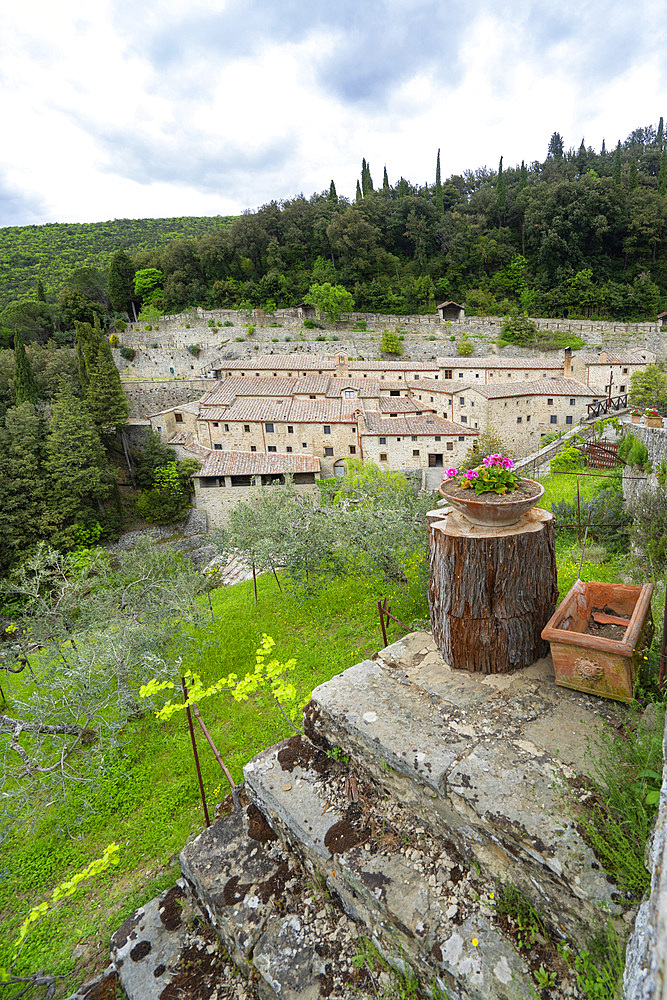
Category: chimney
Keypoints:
(567, 363)
(341, 364)
(602, 357)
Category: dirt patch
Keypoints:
(234, 891)
(141, 950)
(274, 885)
(302, 753)
(341, 837)
(258, 827)
(607, 630)
(199, 973)
(170, 908)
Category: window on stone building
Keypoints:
(327, 429)
(353, 449)
(415, 452)
(383, 440)
(464, 419)
(272, 447)
(462, 437)
(290, 429)
(227, 427)
(217, 447)
(462, 400)
(253, 447)
(268, 428)
(449, 445)
(394, 392)
(312, 397)
(448, 373)
(246, 428)
(288, 448)
(569, 419)
(460, 374)
(328, 452)
(553, 419)
(413, 437)
(625, 371)
(621, 388)
(304, 444)
(178, 417)
(519, 420)
(437, 437)
(528, 419)
(383, 456)
(208, 481)
(242, 481)
(550, 402)
(573, 402)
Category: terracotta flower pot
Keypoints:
(653, 421)
(593, 663)
(491, 510)
(636, 418)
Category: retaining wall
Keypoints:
(146, 397)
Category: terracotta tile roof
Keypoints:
(403, 404)
(294, 361)
(537, 387)
(366, 387)
(376, 423)
(179, 408)
(248, 463)
(632, 357)
(184, 439)
(491, 361)
(289, 411)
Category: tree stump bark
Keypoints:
(492, 591)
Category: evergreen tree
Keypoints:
(439, 200)
(632, 179)
(616, 169)
(121, 281)
(501, 191)
(366, 179)
(523, 176)
(581, 159)
(603, 148)
(660, 133)
(662, 173)
(555, 150)
(22, 486)
(88, 340)
(25, 386)
(41, 295)
(77, 481)
(106, 400)
(358, 195)
(332, 196)
(385, 181)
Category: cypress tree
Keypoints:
(332, 196)
(581, 159)
(662, 173)
(439, 200)
(603, 148)
(358, 196)
(523, 176)
(77, 480)
(22, 486)
(106, 400)
(501, 190)
(121, 281)
(41, 295)
(659, 134)
(88, 339)
(616, 169)
(385, 181)
(632, 179)
(25, 387)
(366, 179)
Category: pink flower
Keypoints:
(471, 474)
(507, 463)
(451, 472)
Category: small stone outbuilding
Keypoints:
(451, 311)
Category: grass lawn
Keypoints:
(148, 799)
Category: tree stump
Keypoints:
(492, 591)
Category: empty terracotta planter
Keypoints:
(594, 663)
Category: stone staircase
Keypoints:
(415, 795)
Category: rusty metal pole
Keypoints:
(233, 786)
(194, 751)
(663, 648)
(384, 632)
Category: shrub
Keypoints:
(218, 323)
(361, 325)
(634, 453)
(567, 460)
(390, 343)
(187, 326)
(194, 349)
(148, 327)
(519, 330)
(274, 340)
(464, 347)
(250, 329)
(606, 515)
(228, 322)
(113, 340)
(453, 338)
(153, 345)
(127, 353)
(431, 336)
(310, 324)
(320, 337)
(649, 527)
(288, 338)
(211, 322)
(120, 325)
(240, 339)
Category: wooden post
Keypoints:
(492, 591)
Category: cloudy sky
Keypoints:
(118, 108)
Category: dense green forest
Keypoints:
(580, 233)
(50, 253)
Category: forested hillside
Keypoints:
(50, 253)
(581, 233)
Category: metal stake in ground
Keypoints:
(194, 751)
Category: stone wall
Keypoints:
(646, 957)
(147, 397)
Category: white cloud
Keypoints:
(111, 110)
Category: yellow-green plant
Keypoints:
(269, 673)
(63, 891)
